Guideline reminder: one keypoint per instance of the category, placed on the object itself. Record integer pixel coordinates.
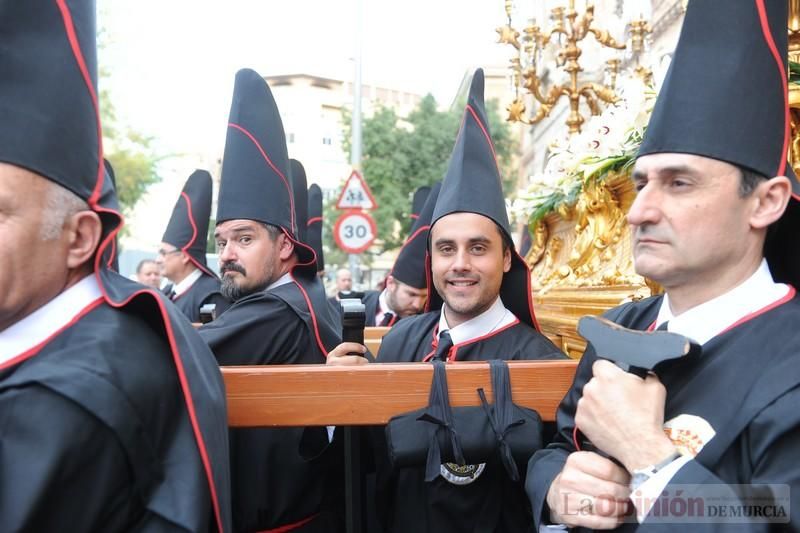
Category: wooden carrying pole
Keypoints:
(319, 395)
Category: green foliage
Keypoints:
(794, 73)
(400, 155)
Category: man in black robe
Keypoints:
(279, 314)
(112, 409)
(480, 309)
(714, 222)
(182, 255)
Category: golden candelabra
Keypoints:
(573, 28)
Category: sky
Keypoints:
(172, 63)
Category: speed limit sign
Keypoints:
(354, 232)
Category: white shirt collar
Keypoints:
(383, 307)
(187, 282)
(283, 280)
(48, 319)
(707, 320)
(494, 318)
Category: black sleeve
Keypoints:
(546, 464)
(59, 466)
(258, 332)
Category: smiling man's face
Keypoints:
(468, 261)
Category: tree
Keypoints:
(399, 155)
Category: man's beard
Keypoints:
(234, 292)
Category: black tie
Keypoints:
(663, 327)
(171, 295)
(444, 345)
(387, 319)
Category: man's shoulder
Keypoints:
(411, 327)
(206, 282)
(634, 314)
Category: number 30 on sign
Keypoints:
(354, 232)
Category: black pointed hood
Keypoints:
(256, 176)
(187, 229)
(409, 267)
(47, 45)
(725, 96)
(418, 202)
(314, 232)
(300, 191)
(472, 184)
(50, 125)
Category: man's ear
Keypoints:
(286, 247)
(185, 258)
(84, 229)
(771, 197)
(507, 260)
(391, 283)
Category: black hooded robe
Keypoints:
(90, 440)
(491, 503)
(746, 384)
(273, 484)
(205, 290)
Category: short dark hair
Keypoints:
(750, 179)
(142, 263)
(508, 244)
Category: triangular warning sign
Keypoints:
(356, 194)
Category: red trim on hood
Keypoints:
(485, 134)
(454, 350)
(789, 296)
(765, 29)
(777, 303)
(69, 27)
(110, 261)
(92, 201)
(452, 353)
(27, 354)
(303, 291)
(312, 220)
(273, 167)
(290, 527)
(194, 237)
(191, 221)
(185, 389)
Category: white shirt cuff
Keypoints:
(648, 492)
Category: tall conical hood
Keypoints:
(409, 267)
(256, 178)
(726, 97)
(49, 115)
(418, 202)
(187, 229)
(50, 125)
(314, 232)
(300, 191)
(472, 184)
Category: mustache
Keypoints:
(230, 266)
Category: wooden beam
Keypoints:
(319, 395)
